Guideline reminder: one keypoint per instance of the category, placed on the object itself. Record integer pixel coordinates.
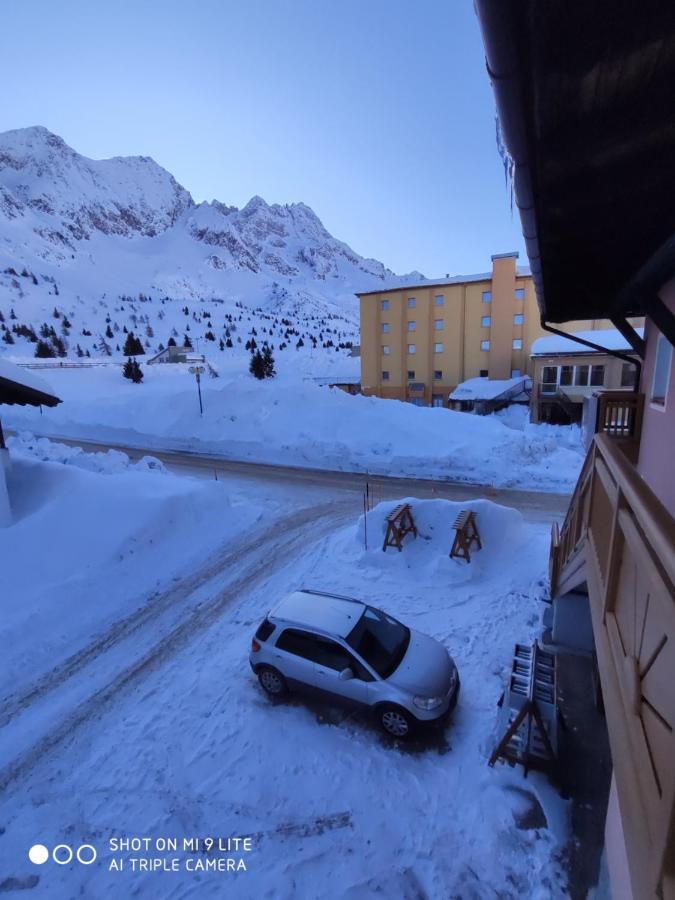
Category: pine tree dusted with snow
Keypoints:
(257, 365)
(132, 371)
(268, 363)
(133, 346)
(44, 350)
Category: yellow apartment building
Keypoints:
(418, 342)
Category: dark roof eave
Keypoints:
(14, 394)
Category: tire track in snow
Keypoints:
(228, 555)
(276, 548)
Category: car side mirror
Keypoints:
(346, 674)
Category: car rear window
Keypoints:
(265, 629)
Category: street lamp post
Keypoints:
(197, 372)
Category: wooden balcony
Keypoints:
(618, 414)
(619, 540)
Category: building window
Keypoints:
(483, 373)
(385, 327)
(520, 293)
(385, 349)
(412, 303)
(411, 374)
(439, 300)
(518, 319)
(437, 400)
(581, 376)
(628, 375)
(566, 375)
(411, 348)
(438, 348)
(412, 326)
(384, 304)
(385, 376)
(485, 345)
(597, 376)
(515, 373)
(662, 362)
(438, 325)
(487, 297)
(485, 321)
(517, 344)
(417, 401)
(549, 379)
(438, 374)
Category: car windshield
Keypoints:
(380, 640)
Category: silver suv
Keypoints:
(350, 652)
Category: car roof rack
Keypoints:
(328, 594)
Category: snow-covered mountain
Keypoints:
(92, 232)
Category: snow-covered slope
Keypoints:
(91, 232)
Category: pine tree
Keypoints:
(257, 365)
(132, 371)
(186, 341)
(228, 342)
(268, 363)
(108, 332)
(7, 337)
(133, 346)
(43, 350)
(171, 342)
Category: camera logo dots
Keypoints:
(62, 854)
(38, 854)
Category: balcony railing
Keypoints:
(617, 414)
(619, 540)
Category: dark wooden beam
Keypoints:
(631, 335)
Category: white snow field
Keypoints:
(288, 420)
(183, 743)
(93, 537)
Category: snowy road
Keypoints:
(65, 697)
(535, 506)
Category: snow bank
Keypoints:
(94, 536)
(290, 421)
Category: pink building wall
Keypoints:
(657, 445)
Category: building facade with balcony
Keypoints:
(418, 342)
(584, 100)
(566, 373)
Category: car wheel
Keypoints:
(272, 682)
(395, 721)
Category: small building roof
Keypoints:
(606, 337)
(19, 386)
(337, 379)
(489, 388)
(332, 614)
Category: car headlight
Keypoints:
(427, 702)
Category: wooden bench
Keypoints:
(399, 523)
(466, 534)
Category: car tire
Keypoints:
(272, 681)
(395, 721)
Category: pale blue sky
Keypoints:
(376, 113)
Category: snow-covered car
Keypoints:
(347, 651)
